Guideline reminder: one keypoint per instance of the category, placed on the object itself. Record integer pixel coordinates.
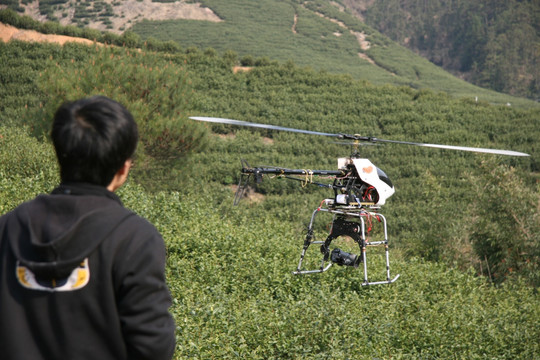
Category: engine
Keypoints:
(363, 184)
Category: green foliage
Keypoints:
(17, 75)
(430, 184)
(10, 17)
(234, 295)
(505, 226)
(429, 214)
(28, 167)
(316, 34)
(130, 39)
(152, 44)
(325, 38)
(47, 8)
(228, 268)
(12, 5)
(154, 90)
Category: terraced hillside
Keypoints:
(318, 34)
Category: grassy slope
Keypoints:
(229, 268)
(264, 29)
(234, 295)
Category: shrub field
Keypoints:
(463, 227)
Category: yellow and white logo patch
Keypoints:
(78, 279)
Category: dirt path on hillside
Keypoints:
(360, 36)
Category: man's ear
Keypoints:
(121, 176)
(125, 168)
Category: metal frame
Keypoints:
(347, 212)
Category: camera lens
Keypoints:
(343, 258)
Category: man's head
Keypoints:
(93, 138)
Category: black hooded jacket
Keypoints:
(81, 277)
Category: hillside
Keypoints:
(463, 227)
(490, 43)
(317, 34)
(110, 15)
(235, 298)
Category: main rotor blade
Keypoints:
(357, 137)
(461, 148)
(262, 126)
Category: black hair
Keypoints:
(93, 137)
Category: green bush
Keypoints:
(28, 167)
(505, 226)
(234, 295)
(155, 91)
(229, 268)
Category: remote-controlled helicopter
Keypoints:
(359, 190)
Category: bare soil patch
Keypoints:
(8, 32)
(237, 69)
(249, 195)
(128, 12)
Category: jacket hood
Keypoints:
(52, 234)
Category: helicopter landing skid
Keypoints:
(343, 226)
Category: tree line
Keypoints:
(491, 43)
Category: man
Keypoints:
(81, 277)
